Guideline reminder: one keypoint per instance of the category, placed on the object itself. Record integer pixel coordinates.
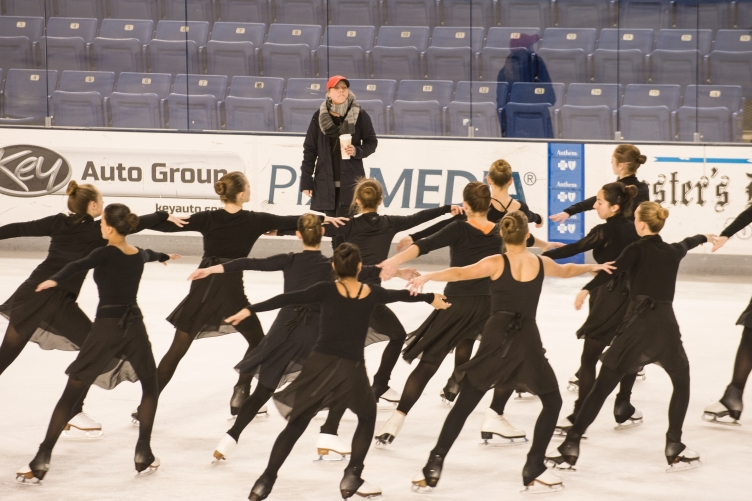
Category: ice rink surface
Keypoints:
(193, 412)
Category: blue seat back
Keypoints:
(705, 14)
(78, 9)
(687, 39)
(299, 11)
(508, 38)
(224, 31)
(730, 97)
(251, 114)
(258, 87)
(16, 52)
(583, 13)
(458, 37)
(192, 112)
(295, 34)
(653, 95)
(645, 123)
(450, 63)
(482, 92)
(77, 109)
(350, 36)
(25, 8)
(286, 61)
(117, 55)
(570, 38)
(72, 27)
(469, 13)
(625, 67)
(374, 89)
(196, 31)
(676, 67)
(102, 82)
(404, 36)
(621, 39)
(145, 83)
(734, 40)
(243, 11)
(213, 85)
(26, 92)
(483, 117)
(506, 65)
(525, 13)
(173, 56)
(651, 14)
(417, 118)
(306, 88)
(135, 111)
(67, 53)
(350, 61)
(396, 63)
(562, 65)
(21, 26)
(297, 114)
(425, 90)
(139, 29)
(196, 10)
(535, 93)
(528, 120)
(230, 58)
(133, 9)
(354, 12)
(411, 12)
(594, 95)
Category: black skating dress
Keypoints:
(649, 332)
(643, 195)
(373, 234)
(608, 303)
(738, 224)
(226, 237)
(52, 318)
(280, 356)
(335, 372)
(117, 348)
(511, 353)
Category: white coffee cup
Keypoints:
(345, 140)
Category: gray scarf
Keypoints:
(350, 109)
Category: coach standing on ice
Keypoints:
(339, 137)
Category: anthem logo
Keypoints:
(31, 171)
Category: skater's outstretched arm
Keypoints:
(738, 224)
(595, 239)
(38, 228)
(402, 223)
(392, 296)
(97, 257)
(150, 256)
(553, 269)
(491, 266)
(313, 294)
(691, 242)
(148, 221)
(444, 238)
(272, 263)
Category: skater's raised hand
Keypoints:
(456, 210)
(559, 218)
(580, 299)
(439, 302)
(172, 258)
(205, 272)
(404, 243)
(178, 221)
(238, 317)
(415, 285)
(719, 242)
(47, 284)
(388, 270)
(407, 273)
(607, 267)
(336, 221)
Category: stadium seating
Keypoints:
(25, 96)
(647, 112)
(243, 11)
(77, 8)
(620, 56)
(589, 112)
(399, 52)
(650, 14)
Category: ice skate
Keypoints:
(224, 448)
(262, 413)
(562, 427)
(680, 458)
(389, 430)
(573, 384)
(262, 488)
(641, 375)
(726, 411)
(545, 483)
(82, 426)
(449, 392)
(390, 396)
(565, 457)
(331, 448)
(134, 419)
(626, 415)
(239, 393)
(496, 424)
(428, 478)
(34, 472)
(352, 484)
(145, 461)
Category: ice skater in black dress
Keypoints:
(511, 354)
(608, 303)
(729, 408)
(117, 349)
(53, 318)
(335, 372)
(228, 233)
(648, 334)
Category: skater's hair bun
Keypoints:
(369, 192)
(629, 154)
(477, 195)
(619, 194)
(309, 227)
(79, 198)
(652, 214)
(514, 228)
(500, 173)
(230, 186)
(120, 217)
(346, 259)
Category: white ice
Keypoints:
(193, 412)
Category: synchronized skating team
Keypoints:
(332, 308)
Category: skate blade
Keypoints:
(421, 487)
(574, 388)
(27, 478)
(217, 458)
(500, 441)
(724, 420)
(561, 466)
(386, 405)
(135, 422)
(329, 456)
(628, 425)
(373, 497)
(151, 470)
(73, 433)
(641, 376)
(383, 440)
(683, 466)
(537, 487)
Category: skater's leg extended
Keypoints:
(333, 418)
(591, 350)
(743, 362)
(144, 458)
(385, 321)
(363, 404)
(501, 396)
(462, 355)
(677, 407)
(11, 347)
(605, 383)
(249, 409)
(544, 430)
(286, 441)
(72, 394)
(415, 384)
(169, 363)
(253, 333)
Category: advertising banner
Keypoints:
(566, 179)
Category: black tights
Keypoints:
(469, 398)
(607, 381)
(12, 346)
(743, 363)
(591, 353)
(249, 409)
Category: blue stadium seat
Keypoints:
(198, 10)
(651, 14)
(77, 109)
(77, 8)
(306, 88)
(25, 96)
(646, 114)
(734, 40)
(258, 87)
(705, 14)
(350, 61)
(505, 65)
(19, 26)
(743, 14)
(374, 90)
(61, 54)
(716, 112)
(731, 68)
(145, 83)
(102, 82)
(233, 48)
(354, 12)
(398, 52)
(482, 116)
(171, 56)
(482, 92)
(564, 52)
(296, 114)
(134, 111)
(570, 38)
(417, 118)
(713, 96)
(631, 39)
(536, 13)
(194, 112)
(133, 9)
(469, 13)
(16, 52)
(118, 55)
(589, 112)
(251, 114)
(509, 38)
(287, 61)
(195, 31)
(377, 111)
(192, 85)
(350, 36)
(653, 95)
(449, 37)
(583, 14)
(621, 55)
(425, 90)
(411, 12)
(528, 120)
(686, 39)
(223, 31)
(676, 67)
(299, 12)
(25, 8)
(538, 93)
(83, 28)
(244, 11)
(295, 34)
(450, 63)
(138, 29)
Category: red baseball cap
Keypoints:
(335, 80)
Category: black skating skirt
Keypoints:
(384, 326)
(51, 318)
(326, 381)
(648, 334)
(211, 300)
(608, 305)
(510, 355)
(280, 356)
(443, 330)
(116, 350)
(746, 317)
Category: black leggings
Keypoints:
(469, 398)
(12, 346)
(743, 363)
(360, 402)
(385, 321)
(249, 409)
(607, 381)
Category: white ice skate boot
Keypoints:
(728, 410)
(391, 396)
(389, 430)
(25, 476)
(331, 448)
(82, 426)
(368, 491)
(224, 448)
(687, 459)
(496, 424)
(544, 483)
(641, 375)
(573, 384)
(562, 427)
(134, 418)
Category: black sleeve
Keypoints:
(310, 154)
(95, 258)
(196, 222)
(427, 232)
(342, 230)
(368, 272)
(269, 222)
(147, 221)
(583, 206)
(313, 294)
(628, 257)
(596, 238)
(531, 216)
(152, 256)
(39, 228)
(443, 238)
(272, 263)
(741, 222)
(402, 223)
(689, 243)
(403, 295)
(369, 142)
